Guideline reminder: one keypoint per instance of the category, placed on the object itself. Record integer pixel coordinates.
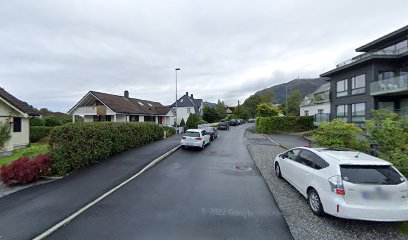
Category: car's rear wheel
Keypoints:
(278, 170)
(315, 203)
(203, 146)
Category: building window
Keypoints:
(342, 112)
(306, 112)
(188, 110)
(102, 118)
(16, 124)
(342, 88)
(149, 118)
(133, 118)
(358, 84)
(358, 112)
(319, 111)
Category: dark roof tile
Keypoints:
(17, 103)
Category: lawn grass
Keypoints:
(403, 226)
(33, 150)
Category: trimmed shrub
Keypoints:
(36, 121)
(51, 121)
(38, 133)
(193, 121)
(284, 124)
(340, 134)
(5, 133)
(169, 131)
(25, 170)
(76, 145)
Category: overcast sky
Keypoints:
(53, 52)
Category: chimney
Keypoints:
(186, 93)
(126, 94)
(192, 96)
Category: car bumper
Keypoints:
(192, 144)
(368, 213)
(223, 127)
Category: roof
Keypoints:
(120, 104)
(18, 104)
(309, 99)
(188, 101)
(380, 41)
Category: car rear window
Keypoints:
(209, 129)
(192, 134)
(365, 174)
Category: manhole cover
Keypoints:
(242, 168)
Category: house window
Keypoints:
(102, 118)
(342, 112)
(188, 110)
(319, 111)
(16, 124)
(134, 118)
(358, 112)
(342, 88)
(306, 112)
(149, 118)
(358, 84)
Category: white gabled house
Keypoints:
(104, 107)
(317, 104)
(186, 105)
(17, 113)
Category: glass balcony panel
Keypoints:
(392, 85)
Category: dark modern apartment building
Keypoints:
(375, 79)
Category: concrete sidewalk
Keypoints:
(29, 212)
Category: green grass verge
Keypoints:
(33, 150)
(403, 226)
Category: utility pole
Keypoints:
(177, 69)
(238, 110)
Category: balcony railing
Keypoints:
(392, 85)
(322, 117)
(376, 53)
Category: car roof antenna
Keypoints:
(357, 155)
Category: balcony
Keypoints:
(389, 86)
(376, 53)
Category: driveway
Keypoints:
(191, 195)
(289, 140)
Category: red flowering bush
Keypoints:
(25, 170)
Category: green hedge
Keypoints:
(284, 124)
(76, 145)
(39, 132)
(169, 131)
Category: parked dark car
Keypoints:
(213, 132)
(223, 124)
(241, 121)
(234, 122)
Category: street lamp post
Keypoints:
(177, 69)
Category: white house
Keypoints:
(186, 105)
(317, 104)
(104, 107)
(16, 113)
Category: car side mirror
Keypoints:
(283, 156)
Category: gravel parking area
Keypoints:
(302, 222)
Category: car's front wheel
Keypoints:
(278, 170)
(315, 203)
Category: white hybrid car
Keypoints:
(195, 138)
(346, 183)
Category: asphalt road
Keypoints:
(29, 212)
(190, 195)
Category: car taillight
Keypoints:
(198, 139)
(336, 185)
(183, 137)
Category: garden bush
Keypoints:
(5, 133)
(169, 131)
(76, 145)
(340, 134)
(25, 170)
(283, 124)
(38, 133)
(193, 121)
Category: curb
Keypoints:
(278, 144)
(89, 205)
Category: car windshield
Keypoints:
(209, 129)
(192, 134)
(366, 174)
